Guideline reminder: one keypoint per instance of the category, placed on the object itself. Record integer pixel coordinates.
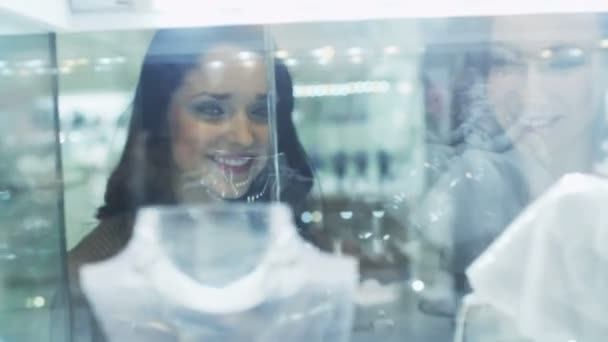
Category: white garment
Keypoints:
(293, 293)
(548, 271)
(480, 322)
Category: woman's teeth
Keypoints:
(232, 161)
(539, 121)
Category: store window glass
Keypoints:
(407, 145)
(360, 113)
(526, 108)
(32, 246)
(97, 76)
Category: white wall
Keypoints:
(37, 14)
(165, 13)
(179, 13)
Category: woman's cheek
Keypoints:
(262, 133)
(189, 147)
(185, 156)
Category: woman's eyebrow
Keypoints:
(505, 47)
(563, 46)
(216, 96)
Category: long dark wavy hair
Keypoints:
(146, 171)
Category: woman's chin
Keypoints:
(229, 192)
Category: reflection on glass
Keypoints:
(360, 117)
(426, 138)
(527, 108)
(31, 246)
(206, 126)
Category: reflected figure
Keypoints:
(529, 103)
(201, 131)
(545, 88)
(546, 91)
(538, 98)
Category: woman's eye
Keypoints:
(504, 61)
(208, 110)
(259, 112)
(567, 58)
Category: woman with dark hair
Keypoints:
(202, 130)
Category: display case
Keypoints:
(420, 133)
(32, 238)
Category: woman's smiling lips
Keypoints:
(233, 163)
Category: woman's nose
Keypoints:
(533, 76)
(535, 87)
(240, 129)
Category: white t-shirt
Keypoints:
(294, 293)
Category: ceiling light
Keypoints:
(33, 63)
(326, 52)
(101, 68)
(546, 54)
(291, 62)
(317, 216)
(405, 88)
(323, 61)
(418, 285)
(575, 52)
(105, 60)
(391, 50)
(342, 89)
(354, 51)
(282, 54)
(306, 217)
(69, 63)
(346, 215)
(245, 55)
(216, 64)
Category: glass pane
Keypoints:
(169, 117)
(410, 145)
(32, 252)
(516, 103)
(360, 114)
(98, 73)
(429, 137)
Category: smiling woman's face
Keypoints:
(541, 83)
(219, 121)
